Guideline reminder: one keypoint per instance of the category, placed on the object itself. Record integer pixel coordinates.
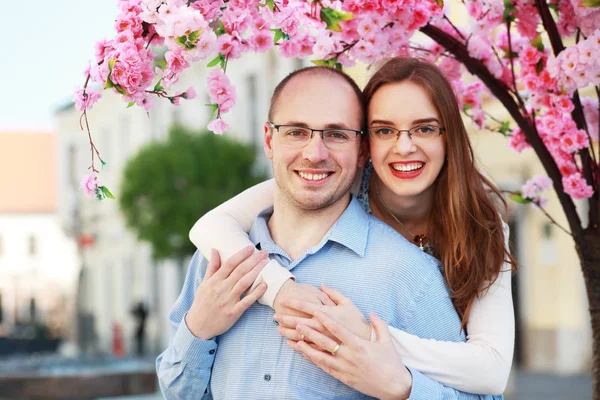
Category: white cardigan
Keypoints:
(481, 365)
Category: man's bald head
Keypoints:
(319, 71)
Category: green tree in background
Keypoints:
(168, 185)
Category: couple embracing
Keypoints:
(374, 265)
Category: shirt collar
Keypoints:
(350, 230)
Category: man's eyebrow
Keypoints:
(415, 122)
(333, 125)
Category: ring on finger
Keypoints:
(301, 336)
(335, 349)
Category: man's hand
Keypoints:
(299, 291)
(217, 305)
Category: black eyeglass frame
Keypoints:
(312, 131)
(408, 131)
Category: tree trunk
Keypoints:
(588, 249)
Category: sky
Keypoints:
(46, 46)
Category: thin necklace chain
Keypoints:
(416, 237)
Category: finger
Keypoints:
(234, 261)
(325, 361)
(322, 341)
(325, 300)
(250, 299)
(382, 331)
(301, 305)
(213, 264)
(338, 330)
(289, 333)
(291, 321)
(246, 266)
(336, 296)
(246, 281)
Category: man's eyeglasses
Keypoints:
(300, 136)
(421, 132)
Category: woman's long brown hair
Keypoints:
(465, 227)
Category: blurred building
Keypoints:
(117, 270)
(37, 261)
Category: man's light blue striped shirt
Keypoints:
(360, 256)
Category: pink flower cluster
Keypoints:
(578, 65)
(534, 187)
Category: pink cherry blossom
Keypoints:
(218, 126)
(576, 186)
(85, 101)
(89, 184)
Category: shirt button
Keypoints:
(211, 352)
(267, 377)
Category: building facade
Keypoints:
(37, 260)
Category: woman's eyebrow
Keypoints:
(381, 122)
(425, 120)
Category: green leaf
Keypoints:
(181, 40)
(215, 61)
(109, 84)
(553, 6)
(121, 90)
(325, 63)
(130, 104)
(518, 198)
(278, 35)
(107, 192)
(505, 127)
(509, 11)
(539, 66)
(162, 64)
(193, 37)
(591, 3)
(103, 163)
(537, 43)
(215, 107)
(158, 87)
(333, 17)
(111, 64)
(467, 107)
(338, 66)
(221, 30)
(270, 4)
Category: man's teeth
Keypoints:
(313, 177)
(407, 167)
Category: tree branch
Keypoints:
(501, 91)
(587, 164)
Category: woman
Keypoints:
(422, 181)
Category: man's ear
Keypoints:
(363, 154)
(268, 141)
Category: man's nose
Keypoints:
(315, 150)
(405, 145)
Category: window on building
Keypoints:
(32, 245)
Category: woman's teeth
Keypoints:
(407, 167)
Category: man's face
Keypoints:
(314, 176)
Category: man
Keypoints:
(224, 345)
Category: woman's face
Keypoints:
(407, 167)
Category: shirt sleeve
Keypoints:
(184, 368)
(226, 229)
(483, 363)
(424, 388)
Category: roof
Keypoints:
(28, 172)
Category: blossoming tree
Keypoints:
(534, 56)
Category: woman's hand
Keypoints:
(342, 310)
(299, 291)
(373, 368)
